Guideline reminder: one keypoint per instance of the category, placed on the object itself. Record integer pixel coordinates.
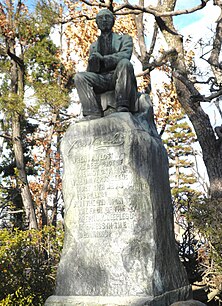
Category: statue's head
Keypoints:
(105, 20)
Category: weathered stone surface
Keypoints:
(188, 303)
(161, 300)
(119, 244)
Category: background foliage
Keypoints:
(28, 262)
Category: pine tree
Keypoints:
(30, 58)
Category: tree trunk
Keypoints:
(17, 88)
(22, 177)
(211, 147)
(47, 172)
(57, 191)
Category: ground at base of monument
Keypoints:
(165, 299)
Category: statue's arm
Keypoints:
(93, 61)
(126, 50)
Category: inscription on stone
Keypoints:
(101, 182)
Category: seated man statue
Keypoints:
(109, 68)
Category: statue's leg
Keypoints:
(125, 86)
(86, 84)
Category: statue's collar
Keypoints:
(106, 35)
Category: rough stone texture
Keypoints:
(188, 303)
(161, 300)
(119, 244)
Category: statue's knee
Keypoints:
(79, 77)
(124, 63)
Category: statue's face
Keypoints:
(105, 22)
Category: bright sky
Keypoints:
(184, 20)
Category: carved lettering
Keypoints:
(97, 185)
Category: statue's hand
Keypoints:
(95, 62)
(98, 55)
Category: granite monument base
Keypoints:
(165, 299)
(119, 246)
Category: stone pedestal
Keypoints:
(119, 244)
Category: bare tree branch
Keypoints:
(202, 98)
(214, 59)
(109, 4)
(136, 54)
(76, 17)
(218, 131)
(195, 95)
(217, 104)
(16, 211)
(166, 118)
(3, 50)
(6, 136)
(95, 4)
(201, 178)
(187, 83)
(135, 9)
(208, 81)
(18, 8)
(101, 4)
(152, 10)
(15, 58)
(159, 62)
(140, 34)
(153, 41)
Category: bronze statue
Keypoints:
(109, 68)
